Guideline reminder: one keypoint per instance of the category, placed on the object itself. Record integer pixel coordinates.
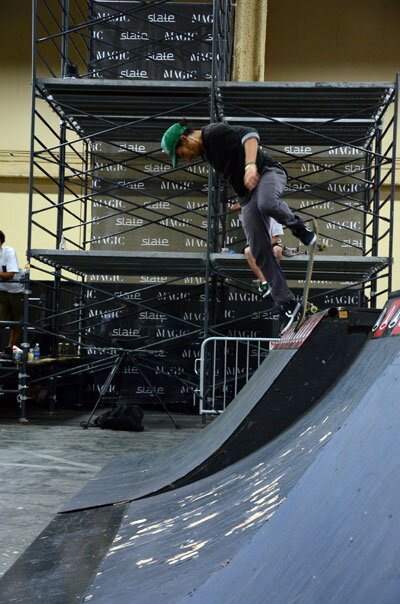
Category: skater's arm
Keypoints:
(251, 176)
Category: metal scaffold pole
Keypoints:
(143, 239)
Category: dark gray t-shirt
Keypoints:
(224, 150)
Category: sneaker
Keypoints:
(264, 289)
(288, 314)
(305, 234)
(289, 252)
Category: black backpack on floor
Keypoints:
(125, 416)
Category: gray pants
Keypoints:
(265, 202)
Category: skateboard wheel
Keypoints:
(313, 309)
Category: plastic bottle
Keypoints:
(30, 355)
(17, 353)
(36, 352)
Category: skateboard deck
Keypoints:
(308, 308)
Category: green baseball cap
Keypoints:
(170, 140)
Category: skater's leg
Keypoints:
(256, 227)
(270, 203)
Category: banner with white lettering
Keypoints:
(168, 41)
(164, 326)
(140, 204)
(330, 183)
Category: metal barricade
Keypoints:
(224, 367)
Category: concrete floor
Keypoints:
(44, 462)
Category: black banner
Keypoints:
(130, 40)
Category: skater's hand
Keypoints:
(251, 177)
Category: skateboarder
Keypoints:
(259, 182)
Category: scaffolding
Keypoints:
(127, 251)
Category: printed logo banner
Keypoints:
(171, 41)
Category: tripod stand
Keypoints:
(123, 356)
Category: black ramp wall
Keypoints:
(181, 545)
(330, 516)
(337, 538)
(290, 380)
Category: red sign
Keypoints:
(388, 323)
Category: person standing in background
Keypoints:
(11, 294)
(275, 232)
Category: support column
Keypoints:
(250, 41)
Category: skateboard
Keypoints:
(307, 308)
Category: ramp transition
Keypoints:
(210, 542)
(290, 380)
(337, 538)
